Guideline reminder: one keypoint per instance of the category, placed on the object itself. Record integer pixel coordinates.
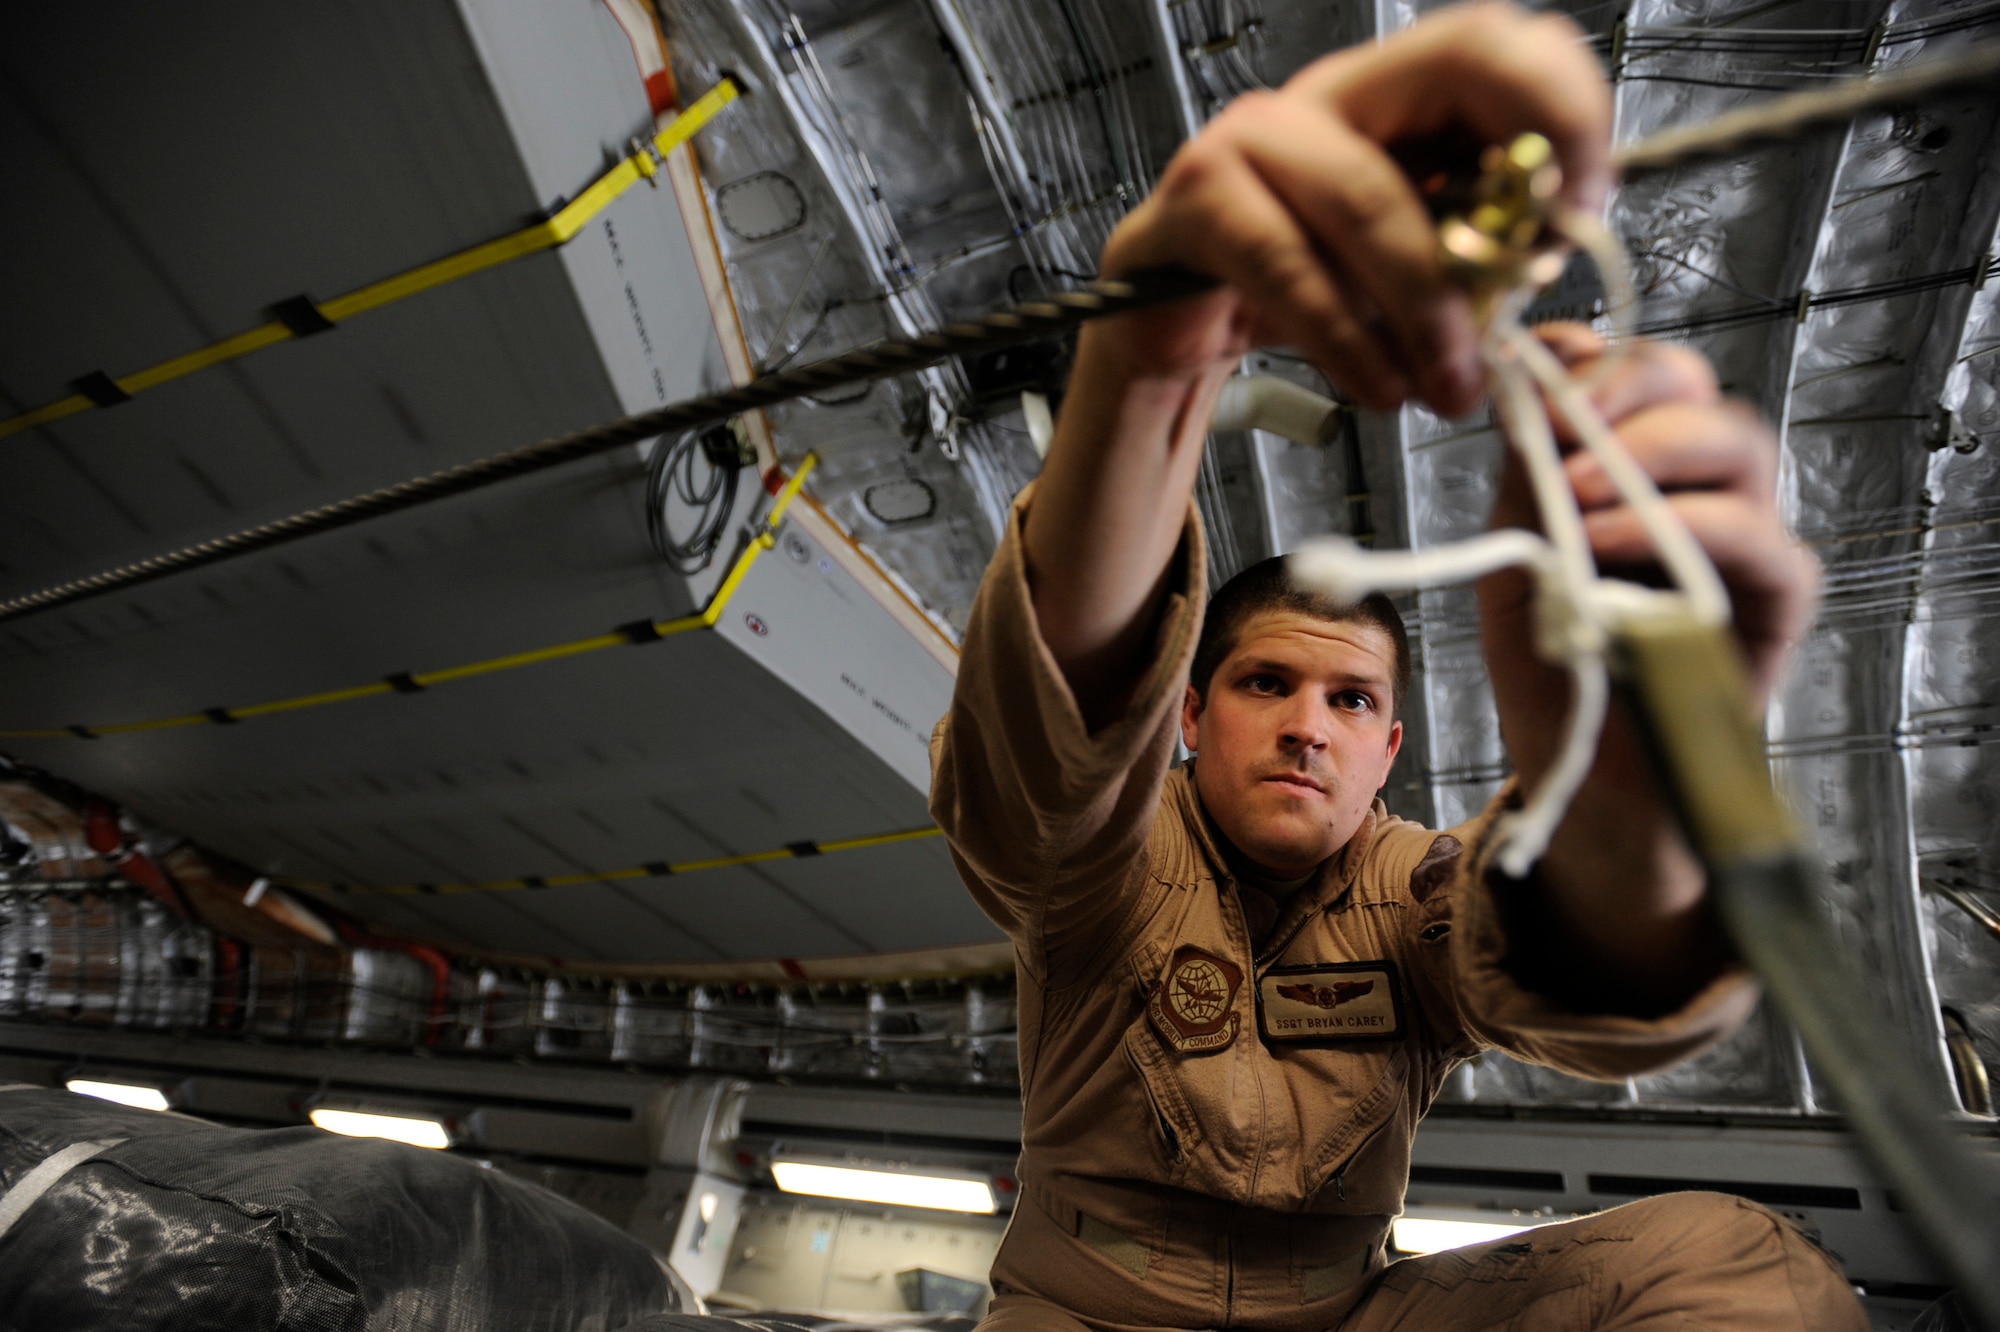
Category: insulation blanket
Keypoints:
(135, 1219)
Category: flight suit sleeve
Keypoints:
(1502, 995)
(1048, 822)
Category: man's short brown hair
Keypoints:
(1266, 586)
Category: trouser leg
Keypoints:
(1683, 1261)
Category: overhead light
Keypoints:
(946, 1193)
(125, 1093)
(1425, 1234)
(397, 1128)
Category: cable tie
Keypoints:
(101, 389)
(80, 730)
(533, 881)
(403, 683)
(221, 716)
(803, 849)
(659, 869)
(640, 632)
(301, 316)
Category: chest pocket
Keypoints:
(1290, 1129)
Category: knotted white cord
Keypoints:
(1575, 608)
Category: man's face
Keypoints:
(1296, 737)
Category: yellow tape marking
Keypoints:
(163, 724)
(314, 700)
(704, 619)
(54, 411)
(491, 664)
(558, 230)
(882, 839)
(632, 872)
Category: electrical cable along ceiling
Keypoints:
(895, 166)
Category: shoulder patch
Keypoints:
(1194, 1005)
(1435, 870)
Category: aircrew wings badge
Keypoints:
(1330, 1001)
(1194, 1008)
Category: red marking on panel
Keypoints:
(660, 91)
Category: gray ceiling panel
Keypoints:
(673, 751)
(366, 405)
(928, 903)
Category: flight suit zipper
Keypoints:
(1229, 1268)
(1275, 949)
(1340, 1176)
(1232, 908)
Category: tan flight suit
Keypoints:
(1220, 1138)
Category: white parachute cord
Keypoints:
(1621, 299)
(1566, 633)
(1524, 835)
(1347, 571)
(1689, 566)
(1525, 424)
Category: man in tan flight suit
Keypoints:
(1243, 982)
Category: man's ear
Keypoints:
(1191, 721)
(1395, 748)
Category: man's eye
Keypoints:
(1353, 700)
(1262, 684)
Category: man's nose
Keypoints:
(1306, 723)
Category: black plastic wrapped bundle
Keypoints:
(171, 1222)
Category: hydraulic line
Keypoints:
(1977, 70)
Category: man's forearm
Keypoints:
(1621, 883)
(1108, 513)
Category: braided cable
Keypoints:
(1976, 71)
(1029, 322)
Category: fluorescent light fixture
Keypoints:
(125, 1093)
(895, 1187)
(1423, 1234)
(397, 1128)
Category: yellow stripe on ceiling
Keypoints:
(558, 230)
(417, 681)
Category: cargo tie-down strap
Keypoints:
(637, 633)
(301, 316)
(29, 1188)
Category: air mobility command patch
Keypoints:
(1194, 1008)
(1330, 1001)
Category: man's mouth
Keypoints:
(1296, 779)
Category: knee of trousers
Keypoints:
(1679, 1227)
(1677, 1222)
